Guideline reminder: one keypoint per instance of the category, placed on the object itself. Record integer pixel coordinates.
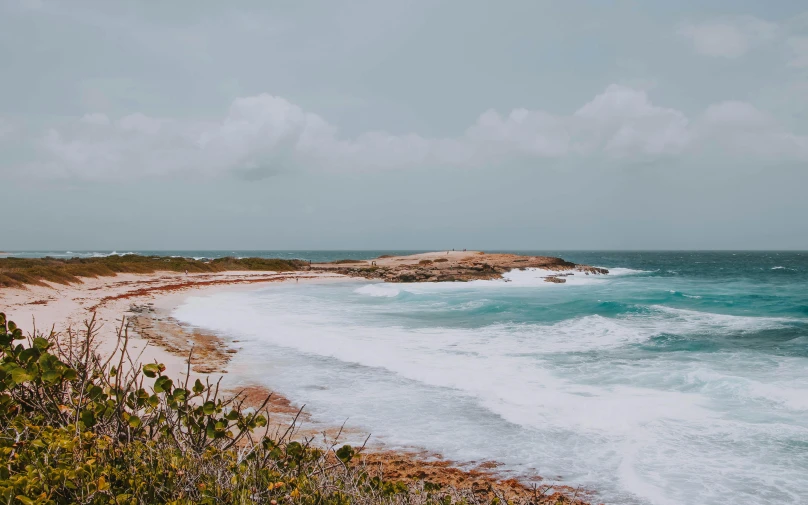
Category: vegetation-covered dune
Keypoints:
(16, 272)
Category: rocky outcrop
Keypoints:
(455, 267)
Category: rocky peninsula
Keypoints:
(453, 266)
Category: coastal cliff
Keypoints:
(457, 266)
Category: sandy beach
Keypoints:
(59, 307)
(144, 302)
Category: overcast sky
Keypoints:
(404, 125)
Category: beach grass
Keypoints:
(17, 272)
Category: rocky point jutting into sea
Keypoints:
(459, 266)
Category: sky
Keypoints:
(427, 124)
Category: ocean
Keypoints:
(679, 378)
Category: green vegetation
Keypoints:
(15, 272)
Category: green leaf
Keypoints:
(179, 394)
(88, 418)
(20, 375)
(51, 376)
(41, 343)
(69, 374)
(345, 453)
(198, 386)
(29, 354)
(209, 408)
(135, 422)
(24, 499)
(95, 392)
(294, 450)
(163, 384)
(49, 362)
(151, 370)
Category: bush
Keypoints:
(77, 427)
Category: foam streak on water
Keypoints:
(662, 383)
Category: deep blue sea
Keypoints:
(679, 378)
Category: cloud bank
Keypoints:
(263, 135)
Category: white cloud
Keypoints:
(799, 51)
(627, 123)
(265, 134)
(729, 37)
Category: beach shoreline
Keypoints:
(143, 303)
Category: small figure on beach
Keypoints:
(186, 272)
(297, 280)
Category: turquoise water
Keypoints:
(679, 378)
